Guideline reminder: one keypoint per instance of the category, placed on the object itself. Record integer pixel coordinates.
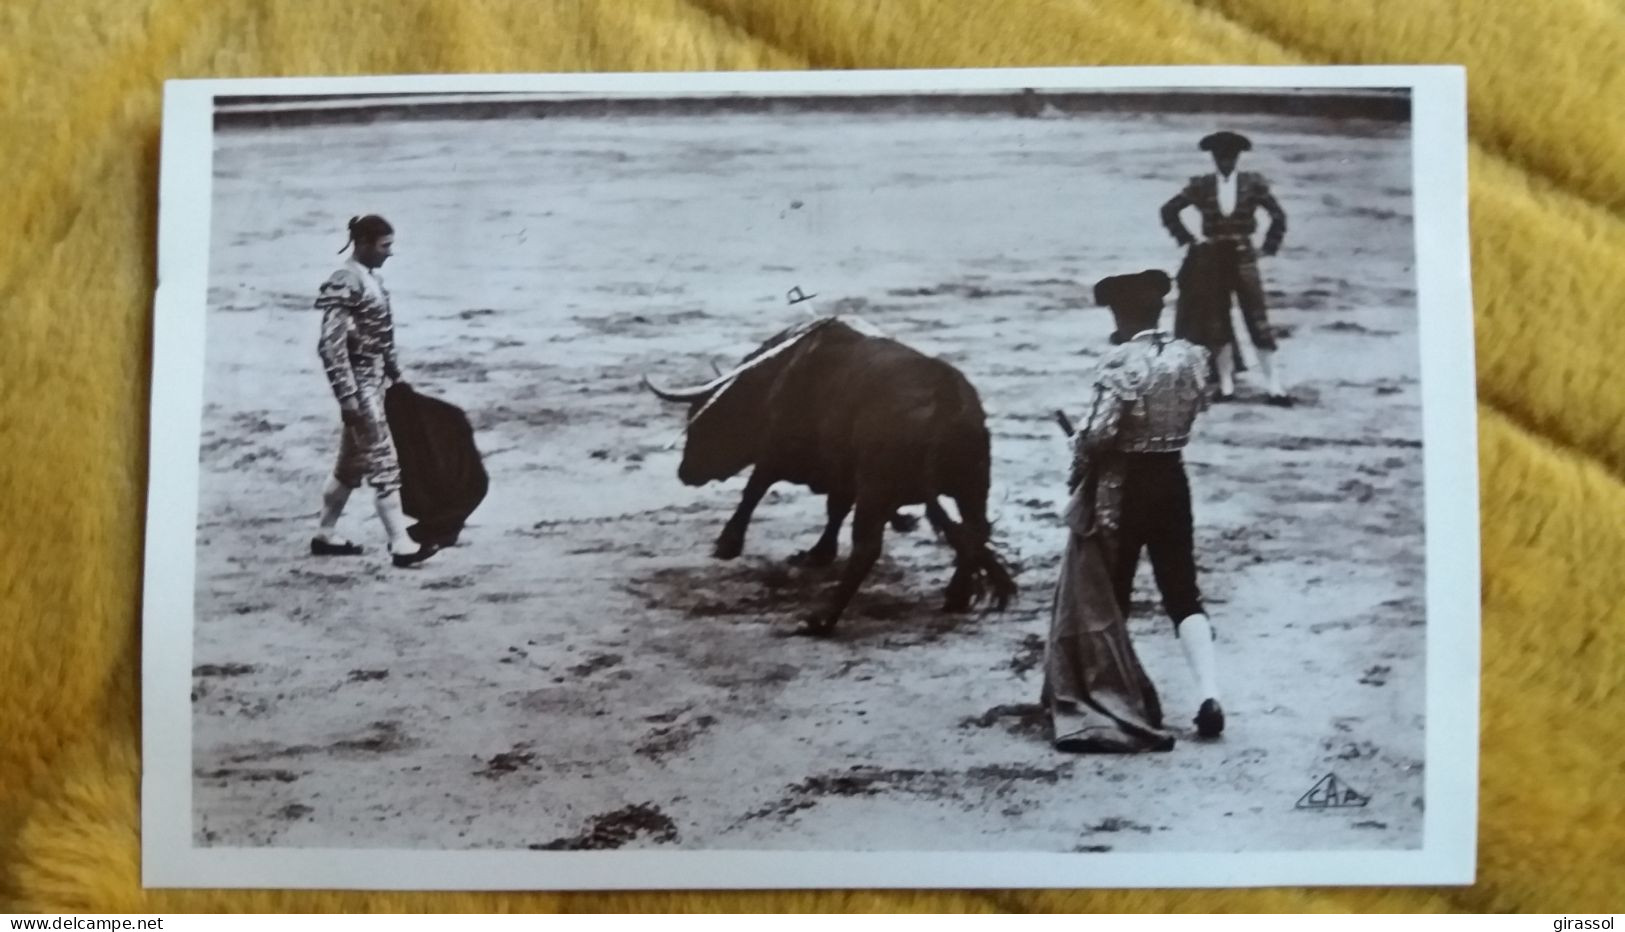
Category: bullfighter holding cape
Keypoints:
(1129, 492)
(417, 452)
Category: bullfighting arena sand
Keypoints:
(581, 673)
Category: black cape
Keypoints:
(443, 477)
(1202, 310)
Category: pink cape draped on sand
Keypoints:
(1096, 695)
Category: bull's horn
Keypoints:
(677, 394)
(696, 392)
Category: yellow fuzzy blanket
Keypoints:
(81, 86)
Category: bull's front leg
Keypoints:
(731, 542)
(868, 532)
(836, 507)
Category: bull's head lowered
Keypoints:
(727, 416)
(864, 420)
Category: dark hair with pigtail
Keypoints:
(367, 229)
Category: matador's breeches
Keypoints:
(1240, 277)
(367, 451)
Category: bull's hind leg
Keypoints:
(836, 506)
(868, 531)
(991, 575)
(978, 571)
(962, 585)
(731, 542)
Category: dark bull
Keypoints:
(865, 421)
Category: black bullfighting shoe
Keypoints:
(409, 560)
(1210, 719)
(322, 547)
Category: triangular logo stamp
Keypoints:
(1330, 792)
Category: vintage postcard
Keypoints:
(1005, 478)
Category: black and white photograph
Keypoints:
(1057, 477)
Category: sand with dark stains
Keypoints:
(580, 673)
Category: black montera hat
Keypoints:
(1116, 289)
(1225, 141)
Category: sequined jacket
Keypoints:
(357, 344)
(1252, 193)
(1147, 394)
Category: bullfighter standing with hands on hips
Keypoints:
(1228, 201)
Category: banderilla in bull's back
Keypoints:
(869, 423)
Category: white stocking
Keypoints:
(1196, 637)
(394, 520)
(1227, 369)
(335, 495)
